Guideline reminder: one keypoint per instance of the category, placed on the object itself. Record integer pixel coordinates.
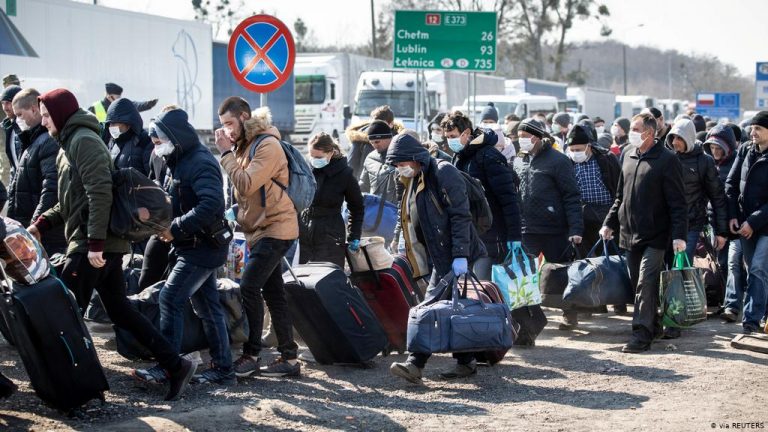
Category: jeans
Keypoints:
(645, 265)
(198, 283)
(734, 285)
(81, 278)
(497, 251)
(756, 258)
(262, 281)
(690, 245)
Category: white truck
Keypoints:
(397, 89)
(637, 103)
(593, 102)
(324, 86)
(60, 43)
(523, 105)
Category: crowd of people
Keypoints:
(554, 188)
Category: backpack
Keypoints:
(482, 217)
(140, 207)
(301, 182)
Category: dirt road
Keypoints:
(571, 381)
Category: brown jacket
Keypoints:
(277, 219)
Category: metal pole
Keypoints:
(624, 57)
(373, 29)
(474, 90)
(263, 99)
(669, 77)
(416, 102)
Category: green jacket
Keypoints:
(85, 187)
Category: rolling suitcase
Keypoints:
(390, 293)
(53, 342)
(489, 293)
(331, 315)
(532, 321)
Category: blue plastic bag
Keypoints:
(518, 278)
(380, 217)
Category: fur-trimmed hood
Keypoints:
(359, 132)
(260, 123)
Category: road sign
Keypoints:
(717, 105)
(261, 53)
(445, 40)
(761, 84)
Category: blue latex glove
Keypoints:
(459, 266)
(354, 246)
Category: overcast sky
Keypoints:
(735, 31)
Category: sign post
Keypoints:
(718, 105)
(761, 84)
(261, 54)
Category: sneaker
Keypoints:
(671, 333)
(246, 366)
(460, 371)
(179, 380)
(729, 315)
(636, 346)
(570, 321)
(154, 375)
(281, 368)
(307, 357)
(7, 387)
(406, 370)
(214, 375)
(748, 330)
(620, 310)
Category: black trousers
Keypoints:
(555, 247)
(155, 265)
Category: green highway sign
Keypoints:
(445, 40)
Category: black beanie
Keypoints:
(699, 123)
(113, 88)
(490, 113)
(578, 135)
(9, 93)
(379, 129)
(760, 119)
(533, 127)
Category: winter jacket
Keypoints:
(378, 177)
(723, 137)
(445, 221)
(747, 188)
(550, 199)
(134, 147)
(33, 189)
(3, 196)
(85, 188)
(323, 231)
(650, 206)
(700, 179)
(610, 169)
(9, 128)
(360, 147)
(269, 214)
(481, 160)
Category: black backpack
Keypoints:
(482, 217)
(140, 207)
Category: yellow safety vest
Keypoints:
(100, 112)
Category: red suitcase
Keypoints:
(390, 293)
(489, 293)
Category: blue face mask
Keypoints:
(319, 162)
(455, 144)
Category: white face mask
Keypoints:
(319, 162)
(114, 131)
(556, 128)
(437, 137)
(600, 129)
(21, 124)
(526, 144)
(578, 157)
(615, 130)
(406, 171)
(635, 138)
(164, 149)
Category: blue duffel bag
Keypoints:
(458, 324)
(597, 281)
(380, 217)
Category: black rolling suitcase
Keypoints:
(331, 315)
(53, 343)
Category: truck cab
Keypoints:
(523, 105)
(319, 105)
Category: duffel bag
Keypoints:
(596, 281)
(379, 219)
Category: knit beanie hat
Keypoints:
(113, 88)
(379, 129)
(760, 119)
(579, 135)
(490, 113)
(533, 127)
(562, 118)
(61, 104)
(9, 93)
(700, 123)
(623, 123)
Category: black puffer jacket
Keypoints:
(747, 188)
(549, 195)
(481, 160)
(134, 147)
(323, 231)
(11, 129)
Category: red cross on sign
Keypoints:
(261, 53)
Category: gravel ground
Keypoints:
(571, 381)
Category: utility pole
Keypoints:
(669, 76)
(624, 58)
(373, 29)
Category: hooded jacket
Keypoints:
(134, 147)
(197, 192)
(360, 147)
(323, 231)
(33, 189)
(723, 137)
(481, 160)
(700, 180)
(550, 199)
(85, 188)
(747, 188)
(276, 216)
(378, 177)
(445, 220)
(650, 206)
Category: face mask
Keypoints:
(406, 171)
(164, 149)
(635, 138)
(600, 129)
(114, 131)
(455, 144)
(21, 124)
(578, 157)
(526, 144)
(437, 137)
(556, 128)
(615, 131)
(319, 162)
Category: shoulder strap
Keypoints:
(251, 153)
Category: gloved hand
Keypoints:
(354, 246)
(459, 266)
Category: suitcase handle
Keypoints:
(69, 350)
(290, 269)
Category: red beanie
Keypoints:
(61, 104)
